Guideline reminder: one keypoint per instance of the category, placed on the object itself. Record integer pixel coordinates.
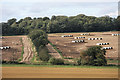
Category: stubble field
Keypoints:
(59, 72)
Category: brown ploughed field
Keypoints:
(14, 42)
(69, 49)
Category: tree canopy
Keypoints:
(58, 24)
(39, 38)
(93, 56)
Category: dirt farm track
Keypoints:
(52, 72)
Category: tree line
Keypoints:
(39, 39)
(61, 24)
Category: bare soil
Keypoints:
(16, 43)
(14, 53)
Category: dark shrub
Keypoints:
(11, 62)
(56, 61)
(43, 54)
(93, 56)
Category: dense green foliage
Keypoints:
(43, 54)
(39, 39)
(93, 56)
(79, 23)
(56, 61)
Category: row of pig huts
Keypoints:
(94, 38)
(78, 41)
(1, 37)
(115, 34)
(79, 37)
(107, 48)
(102, 44)
(6, 47)
(85, 34)
(67, 36)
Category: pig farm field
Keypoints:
(71, 49)
(61, 45)
(19, 49)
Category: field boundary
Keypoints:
(81, 32)
(59, 51)
(56, 49)
(22, 51)
(56, 66)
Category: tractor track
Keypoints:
(28, 52)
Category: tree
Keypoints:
(14, 24)
(27, 18)
(20, 21)
(5, 29)
(53, 18)
(43, 54)
(11, 21)
(118, 23)
(23, 24)
(93, 56)
(46, 18)
(39, 39)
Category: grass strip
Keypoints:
(34, 58)
(56, 66)
(59, 51)
(56, 49)
(22, 50)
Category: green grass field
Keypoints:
(65, 66)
